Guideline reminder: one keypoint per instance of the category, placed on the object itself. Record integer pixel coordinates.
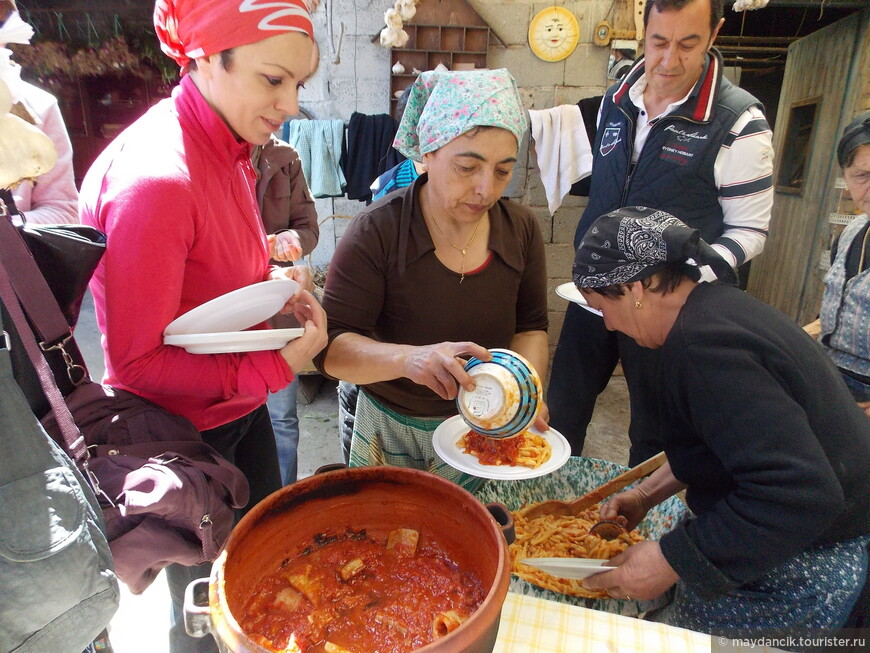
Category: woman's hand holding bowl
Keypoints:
(439, 367)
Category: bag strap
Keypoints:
(36, 297)
(74, 441)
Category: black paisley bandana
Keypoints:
(634, 242)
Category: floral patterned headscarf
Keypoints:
(634, 242)
(445, 105)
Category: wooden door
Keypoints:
(821, 93)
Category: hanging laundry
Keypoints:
(370, 152)
(319, 145)
(589, 110)
(562, 148)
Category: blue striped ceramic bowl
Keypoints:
(506, 398)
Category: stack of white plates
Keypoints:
(218, 326)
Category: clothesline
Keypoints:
(341, 158)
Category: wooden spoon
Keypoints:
(575, 507)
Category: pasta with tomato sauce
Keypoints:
(556, 536)
(355, 593)
(526, 449)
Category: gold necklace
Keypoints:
(461, 250)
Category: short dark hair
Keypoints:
(716, 9)
(226, 60)
(667, 278)
(856, 134)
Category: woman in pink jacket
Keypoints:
(175, 195)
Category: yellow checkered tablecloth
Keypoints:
(540, 626)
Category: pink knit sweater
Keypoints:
(175, 195)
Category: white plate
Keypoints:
(577, 568)
(569, 291)
(233, 342)
(236, 310)
(447, 434)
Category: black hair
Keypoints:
(856, 134)
(716, 9)
(668, 277)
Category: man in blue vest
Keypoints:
(676, 135)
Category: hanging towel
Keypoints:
(562, 148)
(318, 143)
(370, 152)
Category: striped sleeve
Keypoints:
(744, 176)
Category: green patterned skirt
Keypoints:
(384, 437)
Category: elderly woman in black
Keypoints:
(759, 428)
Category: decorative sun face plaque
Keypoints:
(553, 33)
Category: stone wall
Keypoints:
(356, 77)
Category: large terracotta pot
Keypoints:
(378, 499)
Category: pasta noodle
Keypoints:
(526, 449)
(552, 536)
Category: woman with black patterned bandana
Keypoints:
(759, 429)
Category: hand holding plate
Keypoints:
(642, 572)
(311, 315)
(301, 274)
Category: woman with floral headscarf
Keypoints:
(439, 270)
(175, 193)
(759, 429)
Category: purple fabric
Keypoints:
(166, 495)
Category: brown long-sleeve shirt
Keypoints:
(385, 282)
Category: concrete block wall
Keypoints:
(356, 77)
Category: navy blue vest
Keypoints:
(674, 172)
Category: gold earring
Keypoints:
(637, 304)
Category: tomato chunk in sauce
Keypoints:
(494, 451)
(352, 592)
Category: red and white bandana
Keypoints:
(189, 29)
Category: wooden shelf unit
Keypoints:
(430, 45)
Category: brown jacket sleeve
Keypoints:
(283, 195)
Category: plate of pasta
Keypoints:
(527, 455)
(573, 479)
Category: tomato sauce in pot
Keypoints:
(353, 592)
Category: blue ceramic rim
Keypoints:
(528, 407)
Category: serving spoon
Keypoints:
(575, 507)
